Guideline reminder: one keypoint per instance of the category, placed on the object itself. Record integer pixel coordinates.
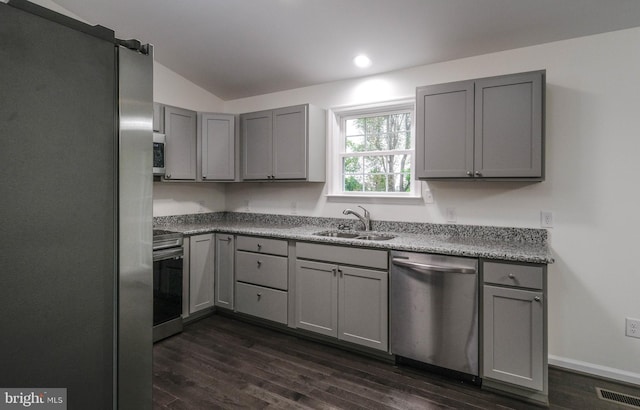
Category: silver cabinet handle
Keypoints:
(204, 177)
(478, 173)
(511, 275)
(537, 298)
(259, 295)
(259, 263)
(433, 268)
(259, 246)
(469, 173)
(340, 270)
(227, 239)
(335, 271)
(167, 176)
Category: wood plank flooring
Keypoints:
(223, 363)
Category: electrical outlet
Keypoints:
(451, 215)
(428, 197)
(546, 219)
(633, 327)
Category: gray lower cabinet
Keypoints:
(224, 271)
(489, 128)
(180, 150)
(346, 302)
(514, 328)
(262, 277)
(284, 144)
(216, 147)
(201, 272)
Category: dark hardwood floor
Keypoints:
(223, 363)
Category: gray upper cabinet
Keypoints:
(180, 129)
(217, 147)
(276, 144)
(257, 145)
(158, 117)
(444, 129)
(489, 128)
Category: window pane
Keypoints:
(375, 183)
(352, 165)
(353, 183)
(400, 122)
(354, 144)
(376, 125)
(397, 163)
(400, 182)
(374, 165)
(355, 127)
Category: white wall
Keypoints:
(592, 123)
(184, 198)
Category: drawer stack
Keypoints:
(262, 277)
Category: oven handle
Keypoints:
(163, 254)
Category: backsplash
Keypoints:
(490, 233)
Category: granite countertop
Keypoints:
(510, 244)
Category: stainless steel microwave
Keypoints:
(159, 144)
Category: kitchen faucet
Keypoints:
(366, 220)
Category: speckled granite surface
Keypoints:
(512, 244)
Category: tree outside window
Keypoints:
(377, 152)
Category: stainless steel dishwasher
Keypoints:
(434, 312)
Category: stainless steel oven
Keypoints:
(168, 256)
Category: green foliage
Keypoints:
(382, 173)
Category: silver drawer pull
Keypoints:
(537, 298)
(259, 296)
(259, 263)
(511, 275)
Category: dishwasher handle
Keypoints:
(433, 268)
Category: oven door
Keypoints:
(167, 285)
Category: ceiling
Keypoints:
(241, 48)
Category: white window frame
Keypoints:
(335, 142)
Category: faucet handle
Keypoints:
(366, 213)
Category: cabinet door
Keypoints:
(224, 270)
(200, 272)
(290, 137)
(363, 307)
(218, 146)
(317, 297)
(180, 128)
(513, 336)
(508, 123)
(158, 117)
(444, 130)
(257, 154)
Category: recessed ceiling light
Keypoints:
(362, 61)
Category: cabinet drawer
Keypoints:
(264, 270)
(523, 276)
(261, 302)
(343, 255)
(262, 245)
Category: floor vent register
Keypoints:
(619, 398)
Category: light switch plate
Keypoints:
(451, 215)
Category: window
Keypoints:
(374, 151)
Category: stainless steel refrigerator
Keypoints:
(75, 209)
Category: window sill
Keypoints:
(374, 198)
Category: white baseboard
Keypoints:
(595, 369)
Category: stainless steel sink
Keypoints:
(356, 235)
